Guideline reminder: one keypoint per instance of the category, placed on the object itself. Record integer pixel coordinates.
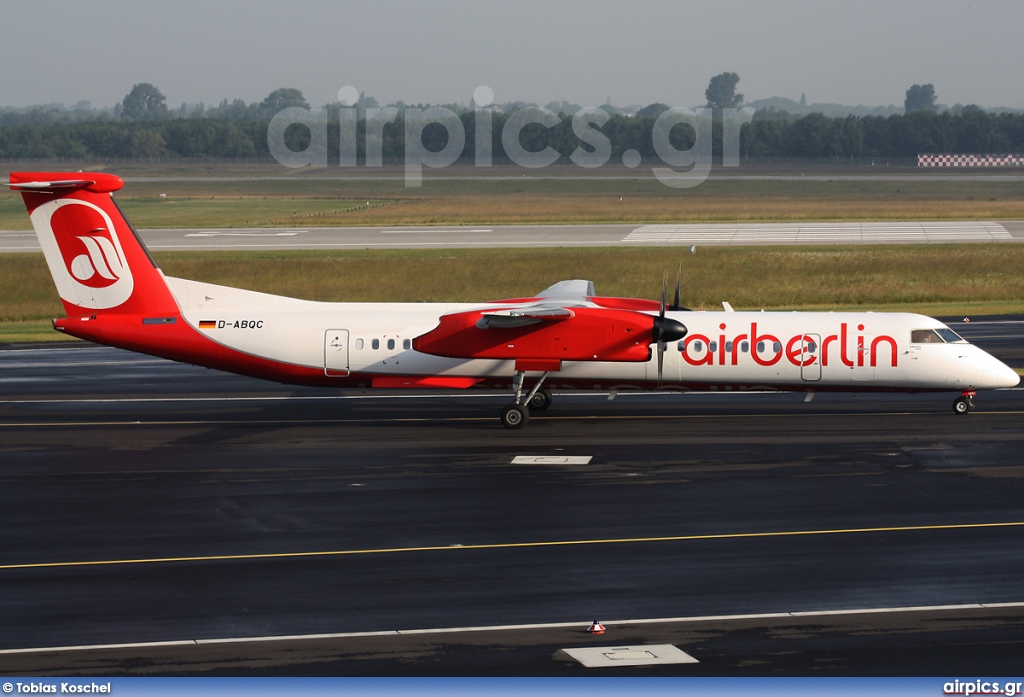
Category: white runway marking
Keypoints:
(611, 656)
(81, 364)
(551, 460)
(514, 627)
(241, 234)
(382, 245)
(342, 397)
(818, 233)
(428, 232)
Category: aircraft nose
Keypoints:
(1007, 377)
(995, 374)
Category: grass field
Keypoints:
(494, 199)
(938, 280)
(974, 279)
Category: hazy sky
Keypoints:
(584, 51)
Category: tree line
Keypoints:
(767, 135)
(145, 102)
(143, 126)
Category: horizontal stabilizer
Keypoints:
(50, 186)
(47, 186)
(64, 183)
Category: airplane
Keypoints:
(566, 336)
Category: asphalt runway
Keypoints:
(482, 236)
(145, 501)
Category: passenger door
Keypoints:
(810, 347)
(336, 353)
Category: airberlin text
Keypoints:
(849, 348)
(64, 688)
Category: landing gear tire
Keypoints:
(540, 401)
(962, 405)
(514, 416)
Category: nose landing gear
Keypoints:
(964, 403)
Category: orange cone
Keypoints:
(596, 628)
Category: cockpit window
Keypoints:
(950, 336)
(940, 335)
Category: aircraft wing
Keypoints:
(562, 325)
(569, 290)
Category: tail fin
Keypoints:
(98, 263)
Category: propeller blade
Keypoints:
(659, 334)
(664, 293)
(679, 281)
(661, 360)
(664, 329)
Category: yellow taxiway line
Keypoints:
(511, 545)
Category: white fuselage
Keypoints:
(354, 343)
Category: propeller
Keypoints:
(679, 280)
(665, 328)
(675, 306)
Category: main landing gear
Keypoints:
(517, 414)
(965, 402)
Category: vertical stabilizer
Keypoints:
(98, 263)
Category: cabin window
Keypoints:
(744, 346)
(728, 346)
(696, 345)
(391, 344)
(812, 347)
(407, 344)
(712, 346)
(776, 347)
(359, 344)
(760, 347)
(375, 344)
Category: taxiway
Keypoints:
(145, 501)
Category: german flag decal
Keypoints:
(207, 324)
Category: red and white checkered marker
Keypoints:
(970, 160)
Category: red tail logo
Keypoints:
(96, 273)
